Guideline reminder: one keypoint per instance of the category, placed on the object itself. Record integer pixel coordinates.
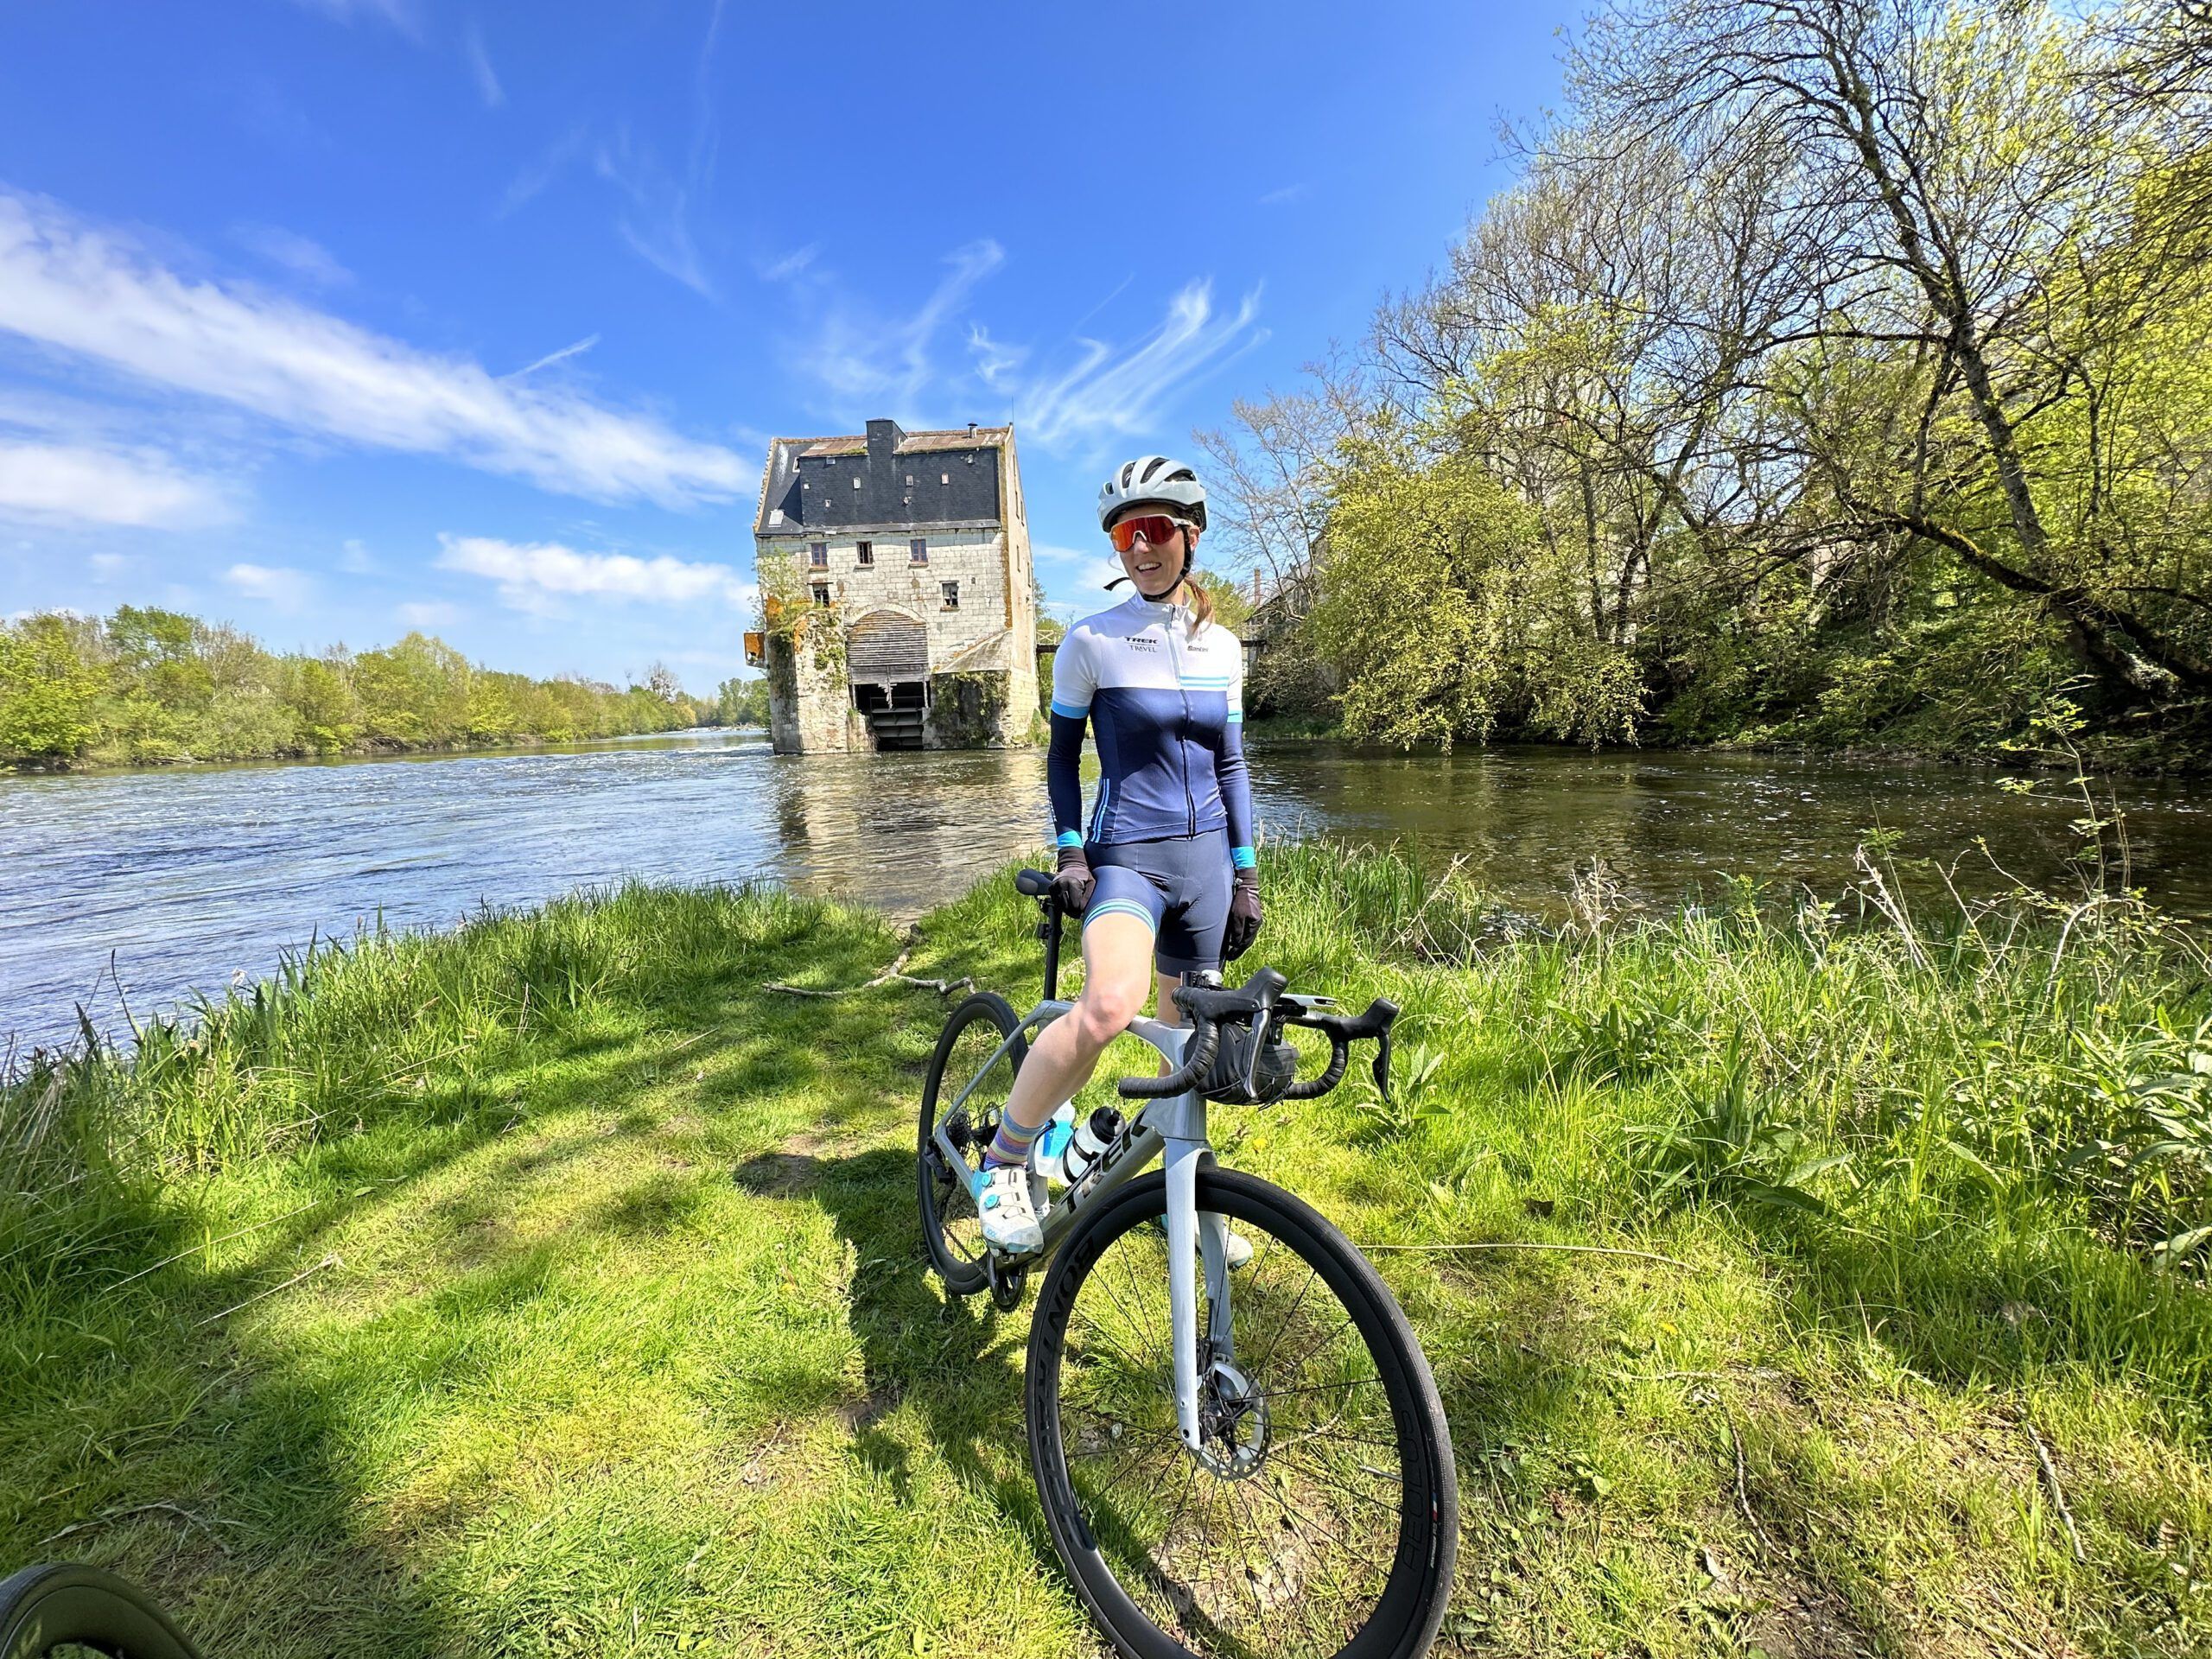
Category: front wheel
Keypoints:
(969, 1078)
(1322, 1515)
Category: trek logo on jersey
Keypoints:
(1143, 642)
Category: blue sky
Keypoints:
(334, 318)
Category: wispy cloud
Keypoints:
(1110, 391)
(428, 614)
(399, 14)
(68, 483)
(783, 269)
(355, 559)
(536, 576)
(657, 222)
(577, 349)
(870, 362)
(658, 201)
(995, 361)
(78, 289)
(277, 586)
(300, 255)
(1287, 194)
(479, 66)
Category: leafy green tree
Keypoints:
(47, 690)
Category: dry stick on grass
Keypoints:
(210, 1243)
(2057, 1492)
(136, 1508)
(1743, 1487)
(942, 987)
(1513, 1244)
(331, 1260)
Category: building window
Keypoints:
(944, 477)
(867, 550)
(917, 550)
(822, 592)
(951, 595)
(817, 554)
(856, 483)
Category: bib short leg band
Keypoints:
(1181, 887)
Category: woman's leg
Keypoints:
(1117, 962)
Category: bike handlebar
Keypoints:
(1205, 1035)
(1260, 998)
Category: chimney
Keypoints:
(883, 440)
(971, 431)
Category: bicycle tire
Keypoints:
(1276, 1564)
(42, 1608)
(951, 1231)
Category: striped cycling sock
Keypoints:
(1011, 1144)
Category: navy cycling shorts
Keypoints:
(1180, 886)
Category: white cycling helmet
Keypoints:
(1153, 481)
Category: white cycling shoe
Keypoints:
(1009, 1218)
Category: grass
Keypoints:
(614, 1338)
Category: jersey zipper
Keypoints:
(1183, 732)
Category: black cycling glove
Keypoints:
(1244, 916)
(1072, 886)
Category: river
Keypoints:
(144, 887)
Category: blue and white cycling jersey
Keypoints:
(1168, 712)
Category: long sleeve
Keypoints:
(1232, 776)
(1073, 681)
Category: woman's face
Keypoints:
(1157, 568)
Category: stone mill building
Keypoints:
(897, 597)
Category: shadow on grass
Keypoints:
(956, 1364)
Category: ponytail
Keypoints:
(1201, 605)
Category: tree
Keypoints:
(47, 690)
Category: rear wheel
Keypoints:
(69, 1610)
(1321, 1516)
(969, 1082)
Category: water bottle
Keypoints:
(1092, 1136)
(1048, 1152)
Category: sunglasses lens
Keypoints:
(1155, 528)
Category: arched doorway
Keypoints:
(887, 663)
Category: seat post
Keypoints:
(1049, 931)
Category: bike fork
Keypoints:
(1194, 1241)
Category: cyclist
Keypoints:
(1165, 876)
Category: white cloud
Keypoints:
(791, 265)
(78, 289)
(283, 589)
(994, 361)
(872, 363)
(81, 483)
(108, 567)
(302, 256)
(428, 614)
(550, 358)
(1287, 194)
(355, 559)
(535, 577)
(398, 13)
(1107, 395)
(479, 65)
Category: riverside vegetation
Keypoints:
(1809, 1281)
(1834, 373)
(147, 686)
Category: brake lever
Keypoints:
(1382, 1066)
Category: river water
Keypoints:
(149, 886)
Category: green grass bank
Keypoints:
(552, 1286)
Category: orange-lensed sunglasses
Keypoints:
(1155, 528)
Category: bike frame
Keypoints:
(1172, 1127)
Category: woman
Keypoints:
(1165, 879)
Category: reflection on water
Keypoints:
(184, 878)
